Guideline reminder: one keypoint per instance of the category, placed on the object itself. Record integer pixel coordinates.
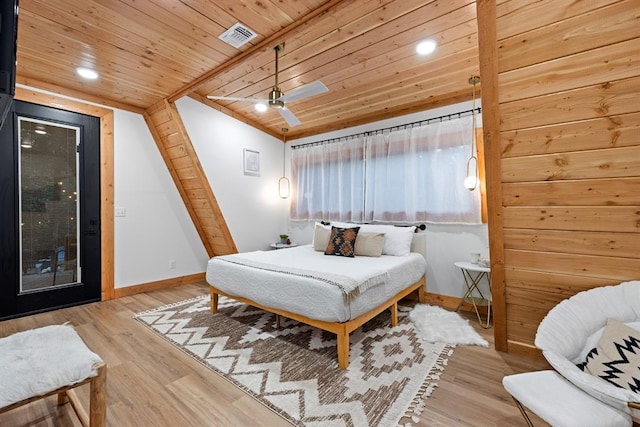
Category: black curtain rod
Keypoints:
(392, 128)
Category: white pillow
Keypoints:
(397, 240)
(321, 236)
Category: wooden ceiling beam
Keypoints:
(270, 41)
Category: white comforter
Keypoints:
(333, 270)
(308, 291)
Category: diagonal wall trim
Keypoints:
(171, 137)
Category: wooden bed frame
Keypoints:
(341, 329)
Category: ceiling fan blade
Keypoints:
(289, 117)
(311, 89)
(230, 98)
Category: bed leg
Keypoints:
(422, 293)
(343, 350)
(394, 314)
(214, 301)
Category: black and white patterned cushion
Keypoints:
(616, 359)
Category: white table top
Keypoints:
(279, 245)
(466, 265)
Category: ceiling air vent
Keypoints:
(237, 35)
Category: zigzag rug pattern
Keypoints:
(293, 369)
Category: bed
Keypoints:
(337, 294)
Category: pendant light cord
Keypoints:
(284, 151)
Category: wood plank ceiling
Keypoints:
(150, 50)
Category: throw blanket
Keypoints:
(336, 271)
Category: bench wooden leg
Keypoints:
(77, 407)
(98, 398)
(62, 398)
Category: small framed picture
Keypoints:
(251, 162)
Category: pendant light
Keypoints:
(283, 183)
(472, 180)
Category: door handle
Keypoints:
(90, 230)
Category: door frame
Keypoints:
(106, 174)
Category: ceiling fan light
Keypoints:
(274, 96)
(276, 103)
(426, 47)
(261, 107)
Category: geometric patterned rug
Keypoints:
(294, 370)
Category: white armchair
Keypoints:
(568, 396)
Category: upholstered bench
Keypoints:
(41, 362)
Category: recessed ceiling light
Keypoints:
(426, 47)
(40, 130)
(261, 107)
(87, 73)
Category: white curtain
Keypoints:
(410, 175)
(328, 181)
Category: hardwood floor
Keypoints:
(151, 383)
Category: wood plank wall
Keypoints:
(569, 136)
(176, 149)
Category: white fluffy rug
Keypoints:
(436, 324)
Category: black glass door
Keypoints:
(50, 196)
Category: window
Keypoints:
(408, 175)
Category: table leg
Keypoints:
(472, 283)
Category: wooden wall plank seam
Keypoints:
(609, 98)
(605, 163)
(591, 134)
(623, 219)
(572, 35)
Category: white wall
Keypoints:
(446, 244)
(156, 228)
(254, 212)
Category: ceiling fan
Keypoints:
(277, 99)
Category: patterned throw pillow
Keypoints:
(342, 241)
(616, 359)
